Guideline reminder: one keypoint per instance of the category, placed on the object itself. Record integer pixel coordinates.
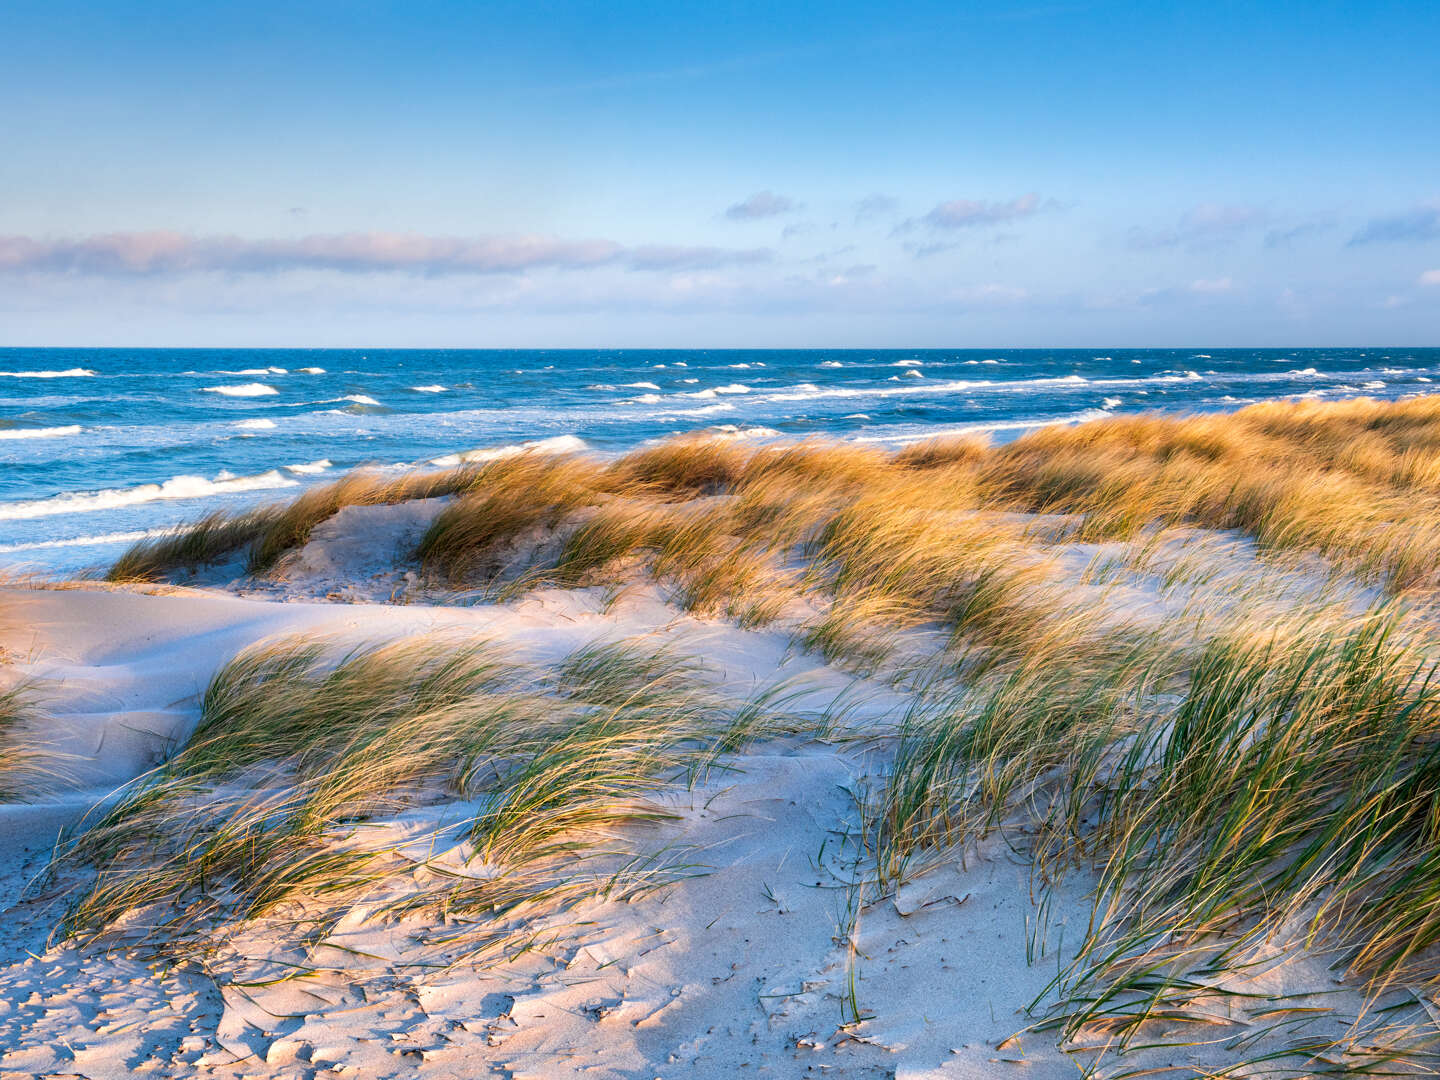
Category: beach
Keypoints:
(717, 759)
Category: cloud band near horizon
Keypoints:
(130, 254)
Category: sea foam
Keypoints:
(253, 389)
(177, 487)
(40, 433)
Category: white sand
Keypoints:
(740, 970)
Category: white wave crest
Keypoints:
(559, 444)
(908, 363)
(68, 373)
(310, 468)
(312, 371)
(85, 541)
(255, 424)
(714, 391)
(830, 363)
(177, 487)
(994, 425)
(360, 399)
(252, 389)
(433, 388)
(40, 432)
(643, 385)
(1374, 384)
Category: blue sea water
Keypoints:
(101, 446)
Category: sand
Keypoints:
(750, 965)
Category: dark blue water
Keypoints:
(100, 446)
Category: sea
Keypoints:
(101, 447)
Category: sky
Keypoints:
(637, 174)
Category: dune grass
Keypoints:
(1246, 764)
(1357, 482)
(21, 762)
(276, 808)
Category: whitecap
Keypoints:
(1111, 402)
(312, 371)
(646, 399)
(1303, 371)
(1375, 384)
(177, 487)
(558, 444)
(360, 399)
(908, 363)
(85, 541)
(732, 388)
(994, 425)
(643, 385)
(830, 363)
(433, 388)
(40, 433)
(253, 389)
(915, 374)
(309, 468)
(258, 424)
(68, 373)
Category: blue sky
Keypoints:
(757, 174)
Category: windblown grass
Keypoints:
(1357, 482)
(21, 762)
(277, 805)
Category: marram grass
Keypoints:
(275, 808)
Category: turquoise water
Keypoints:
(101, 446)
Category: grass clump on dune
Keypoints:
(21, 761)
(279, 802)
(1263, 787)
(1357, 482)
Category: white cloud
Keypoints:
(150, 253)
(1429, 277)
(1212, 285)
(762, 204)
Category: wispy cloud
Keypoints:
(976, 213)
(1411, 227)
(763, 204)
(1203, 225)
(142, 253)
(873, 206)
(1212, 285)
(1429, 277)
(1284, 236)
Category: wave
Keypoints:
(558, 444)
(993, 425)
(433, 388)
(643, 385)
(253, 389)
(908, 363)
(40, 433)
(361, 399)
(312, 371)
(85, 541)
(706, 410)
(68, 373)
(732, 388)
(309, 469)
(830, 364)
(177, 487)
(258, 424)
